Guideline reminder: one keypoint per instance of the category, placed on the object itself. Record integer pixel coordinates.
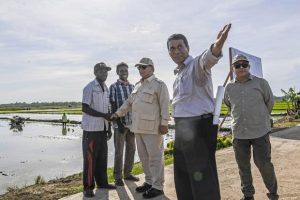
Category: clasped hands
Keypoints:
(111, 116)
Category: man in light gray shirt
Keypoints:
(250, 101)
(195, 170)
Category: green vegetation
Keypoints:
(39, 180)
(53, 107)
(75, 108)
(279, 107)
(292, 99)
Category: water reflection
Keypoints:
(68, 129)
(16, 127)
(64, 130)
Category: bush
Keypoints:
(222, 142)
(39, 180)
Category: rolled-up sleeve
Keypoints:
(87, 95)
(126, 107)
(204, 63)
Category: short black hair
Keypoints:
(119, 65)
(178, 36)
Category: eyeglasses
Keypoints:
(244, 65)
(142, 67)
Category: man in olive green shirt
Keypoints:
(250, 101)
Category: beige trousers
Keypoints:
(151, 152)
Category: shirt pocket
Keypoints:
(185, 85)
(98, 100)
(148, 96)
(146, 122)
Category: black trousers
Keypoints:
(195, 170)
(94, 148)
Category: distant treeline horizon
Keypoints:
(69, 104)
(41, 104)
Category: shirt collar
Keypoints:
(250, 77)
(123, 82)
(186, 62)
(98, 84)
(149, 79)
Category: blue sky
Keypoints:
(48, 48)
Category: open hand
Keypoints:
(221, 38)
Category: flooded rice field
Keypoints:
(40, 148)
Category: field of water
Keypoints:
(41, 148)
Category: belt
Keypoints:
(204, 116)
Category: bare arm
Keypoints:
(222, 36)
(88, 110)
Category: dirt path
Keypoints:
(285, 157)
(286, 160)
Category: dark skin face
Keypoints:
(123, 73)
(101, 75)
(178, 51)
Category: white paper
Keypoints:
(254, 61)
(218, 104)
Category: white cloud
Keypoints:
(48, 48)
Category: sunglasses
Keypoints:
(244, 65)
(142, 67)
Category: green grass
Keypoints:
(279, 107)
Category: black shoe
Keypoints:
(152, 192)
(143, 188)
(131, 178)
(247, 198)
(108, 186)
(273, 196)
(88, 193)
(119, 182)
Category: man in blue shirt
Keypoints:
(119, 92)
(195, 170)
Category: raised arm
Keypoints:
(222, 36)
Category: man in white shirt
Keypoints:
(96, 131)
